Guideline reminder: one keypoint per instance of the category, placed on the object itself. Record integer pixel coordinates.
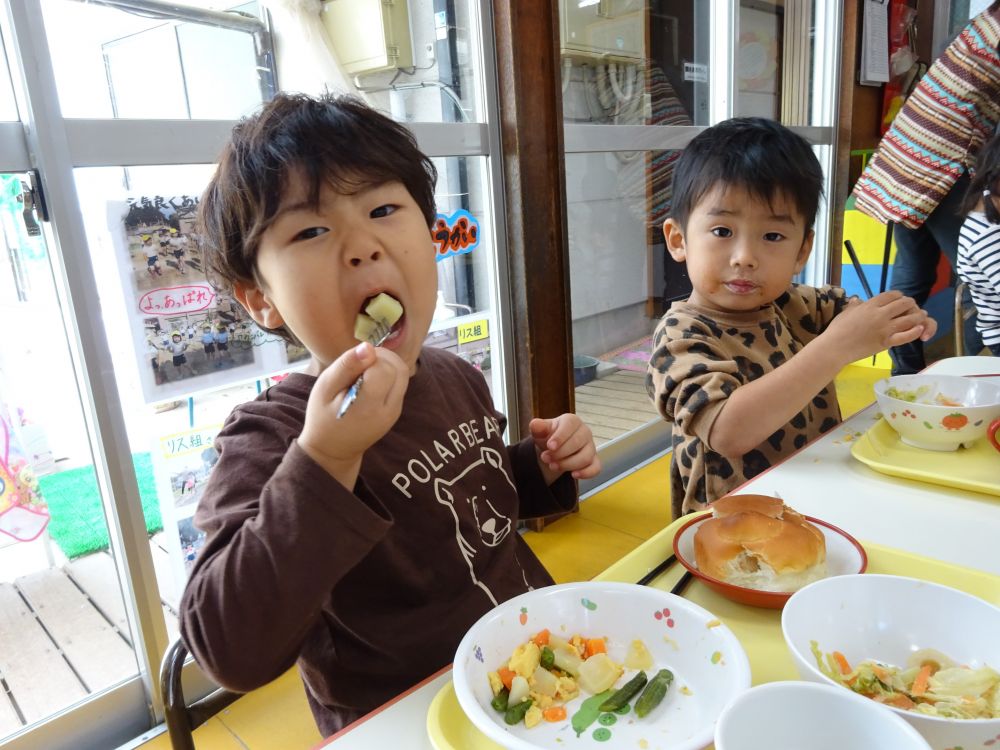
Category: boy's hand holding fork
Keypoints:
(339, 444)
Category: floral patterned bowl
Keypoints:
(940, 412)
(710, 667)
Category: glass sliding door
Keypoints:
(111, 138)
(640, 79)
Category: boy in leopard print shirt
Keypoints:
(744, 368)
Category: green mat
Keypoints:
(77, 523)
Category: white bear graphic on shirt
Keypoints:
(493, 526)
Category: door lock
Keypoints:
(32, 199)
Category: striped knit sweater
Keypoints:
(979, 267)
(934, 138)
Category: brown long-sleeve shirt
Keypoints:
(369, 591)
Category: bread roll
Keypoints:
(758, 542)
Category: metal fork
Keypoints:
(377, 337)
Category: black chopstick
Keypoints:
(681, 584)
(858, 269)
(646, 579)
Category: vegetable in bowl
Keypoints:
(931, 684)
(546, 672)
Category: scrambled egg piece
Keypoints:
(525, 659)
(568, 689)
(533, 716)
(541, 700)
(496, 684)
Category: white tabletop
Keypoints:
(822, 480)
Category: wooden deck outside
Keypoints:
(614, 405)
(63, 635)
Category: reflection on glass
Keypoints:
(114, 63)
(440, 81)
(617, 280)
(64, 632)
(774, 59)
(758, 59)
(8, 104)
(635, 63)
(465, 317)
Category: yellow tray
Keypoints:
(976, 468)
(449, 729)
(759, 630)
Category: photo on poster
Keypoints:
(188, 336)
(183, 462)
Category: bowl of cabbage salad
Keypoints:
(927, 652)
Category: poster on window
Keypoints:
(188, 336)
(182, 463)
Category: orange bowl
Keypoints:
(844, 555)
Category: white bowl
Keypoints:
(935, 426)
(709, 665)
(799, 715)
(888, 618)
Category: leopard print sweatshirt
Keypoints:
(701, 356)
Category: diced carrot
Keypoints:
(595, 646)
(896, 699)
(554, 713)
(541, 638)
(506, 677)
(921, 681)
(845, 667)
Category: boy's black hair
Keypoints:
(985, 181)
(328, 140)
(761, 156)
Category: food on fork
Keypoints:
(758, 542)
(383, 308)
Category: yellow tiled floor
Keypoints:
(609, 524)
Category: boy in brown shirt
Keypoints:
(363, 547)
(744, 367)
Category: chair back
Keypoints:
(182, 719)
(962, 313)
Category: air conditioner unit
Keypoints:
(608, 30)
(369, 35)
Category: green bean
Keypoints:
(654, 692)
(499, 701)
(624, 694)
(516, 713)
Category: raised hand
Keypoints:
(564, 444)
(886, 320)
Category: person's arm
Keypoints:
(984, 253)
(286, 518)
(281, 533)
(758, 408)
